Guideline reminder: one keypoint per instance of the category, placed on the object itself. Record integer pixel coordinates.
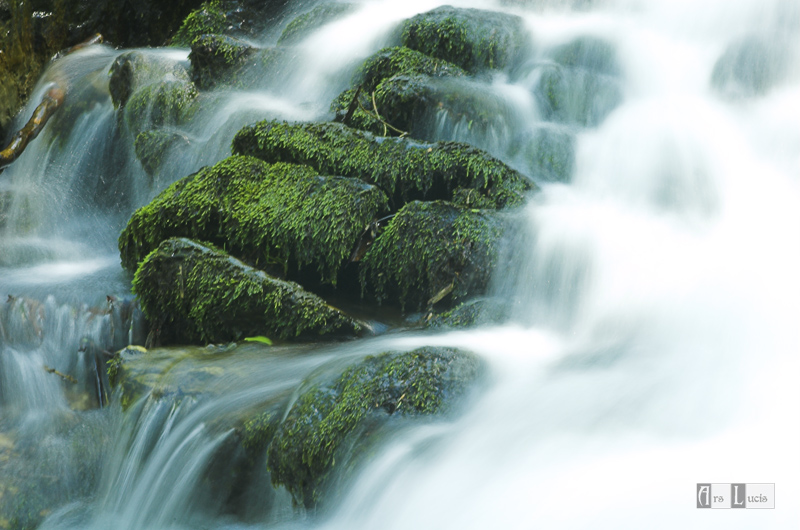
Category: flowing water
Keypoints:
(654, 299)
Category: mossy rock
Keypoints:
(326, 424)
(196, 294)
(209, 18)
(404, 169)
(171, 102)
(303, 25)
(385, 64)
(470, 314)
(152, 146)
(433, 250)
(473, 39)
(217, 58)
(271, 215)
(576, 96)
(751, 66)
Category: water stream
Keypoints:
(652, 301)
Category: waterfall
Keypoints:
(650, 292)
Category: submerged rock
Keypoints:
(271, 215)
(305, 24)
(170, 102)
(433, 250)
(330, 425)
(751, 66)
(473, 39)
(470, 314)
(404, 169)
(152, 146)
(547, 153)
(581, 85)
(196, 294)
(133, 70)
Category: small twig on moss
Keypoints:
(374, 114)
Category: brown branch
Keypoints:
(95, 39)
(50, 102)
(65, 377)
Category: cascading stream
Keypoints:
(651, 294)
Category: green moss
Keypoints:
(386, 64)
(207, 19)
(402, 168)
(306, 23)
(432, 248)
(151, 146)
(193, 294)
(268, 214)
(470, 38)
(158, 104)
(316, 432)
(470, 314)
(218, 58)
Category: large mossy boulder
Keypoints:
(404, 169)
(273, 216)
(751, 66)
(197, 294)
(433, 250)
(473, 39)
(209, 18)
(329, 425)
(305, 24)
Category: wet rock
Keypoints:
(404, 169)
(305, 24)
(171, 102)
(330, 425)
(209, 18)
(470, 314)
(196, 294)
(751, 66)
(433, 251)
(271, 215)
(581, 85)
(473, 39)
(217, 58)
(152, 146)
(547, 153)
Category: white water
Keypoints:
(655, 301)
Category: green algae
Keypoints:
(197, 294)
(160, 104)
(218, 59)
(207, 19)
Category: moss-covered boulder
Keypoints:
(473, 39)
(171, 102)
(581, 86)
(192, 293)
(303, 25)
(270, 215)
(751, 66)
(151, 147)
(431, 251)
(403, 168)
(385, 64)
(330, 424)
(209, 18)
(470, 314)
(217, 58)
